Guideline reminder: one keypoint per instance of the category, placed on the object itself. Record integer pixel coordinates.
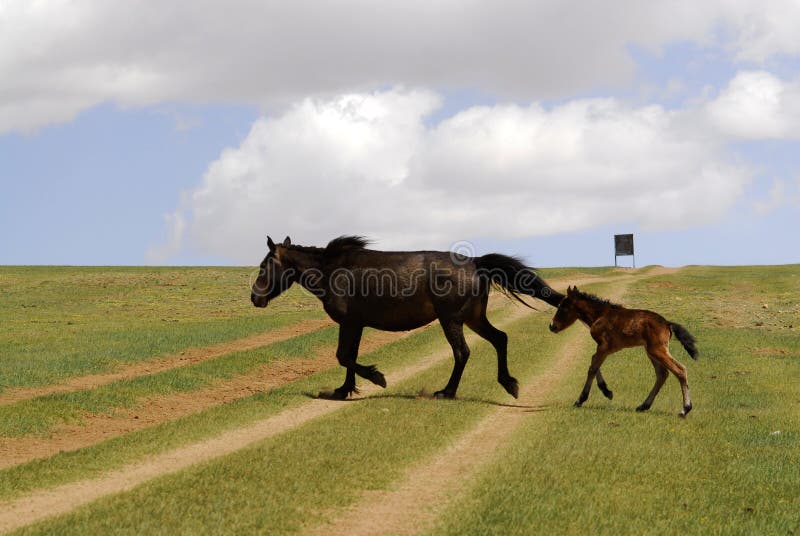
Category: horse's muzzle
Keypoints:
(553, 328)
(259, 301)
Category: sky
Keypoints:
(185, 132)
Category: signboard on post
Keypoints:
(623, 245)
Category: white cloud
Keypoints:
(60, 57)
(758, 105)
(367, 164)
(765, 28)
(781, 194)
(176, 227)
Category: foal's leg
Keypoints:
(661, 376)
(597, 361)
(680, 372)
(661, 353)
(454, 331)
(499, 340)
(601, 383)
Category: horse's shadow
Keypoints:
(423, 395)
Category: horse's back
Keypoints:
(400, 290)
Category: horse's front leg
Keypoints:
(597, 361)
(346, 354)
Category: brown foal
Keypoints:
(614, 327)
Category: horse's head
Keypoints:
(274, 276)
(566, 314)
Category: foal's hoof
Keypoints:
(444, 394)
(686, 410)
(642, 407)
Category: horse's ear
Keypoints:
(270, 244)
(287, 242)
(570, 290)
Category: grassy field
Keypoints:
(731, 467)
(59, 322)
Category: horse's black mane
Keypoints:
(343, 243)
(595, 299)
(335, 246)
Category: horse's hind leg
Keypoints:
(454, 331)
(499, 340)
(661, 376)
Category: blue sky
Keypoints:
(683, 132)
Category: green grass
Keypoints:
(60, 322)
(290, 481)
(732, 467)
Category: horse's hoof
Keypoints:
(511, 386)
(609, 394)
(336, 394)
(444, 394)
(578, 403)
(642, 407)
(686, 410)
(379, 379)
(375, 376)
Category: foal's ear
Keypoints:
(270, 244)
(287, 242)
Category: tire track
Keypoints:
(156, 410)
(153, 365)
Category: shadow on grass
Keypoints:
(423, 395)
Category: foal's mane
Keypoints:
(596, 300)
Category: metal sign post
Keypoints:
(623, 245)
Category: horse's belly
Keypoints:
(395, 316)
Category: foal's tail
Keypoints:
(686, 338)
(511, 276)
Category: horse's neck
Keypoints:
(308, 265)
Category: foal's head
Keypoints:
(273, 277)
(567, 313)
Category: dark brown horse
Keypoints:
(614, 327)
(398, 291)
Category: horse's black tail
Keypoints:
(686, 339)
(512, 277)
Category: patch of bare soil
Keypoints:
(151, 366)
